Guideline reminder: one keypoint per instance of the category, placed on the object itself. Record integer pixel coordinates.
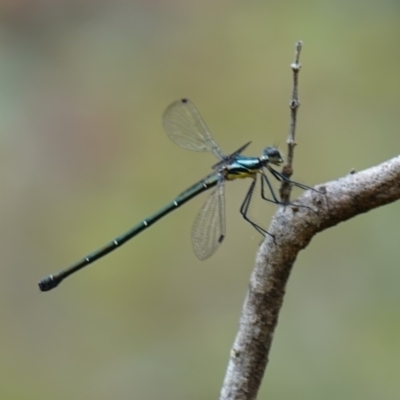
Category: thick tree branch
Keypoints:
(293, 228)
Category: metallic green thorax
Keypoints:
(243, 167)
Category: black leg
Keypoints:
(280, 177)
(275, 199)
(245, 208)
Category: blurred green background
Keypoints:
(83, 157)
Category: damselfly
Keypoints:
(184, 126)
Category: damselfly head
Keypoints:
(272, 155)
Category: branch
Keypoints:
(294, 105)
(293, 228)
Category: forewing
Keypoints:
(208, 229)
(185, 127)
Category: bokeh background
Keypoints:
(83, 157)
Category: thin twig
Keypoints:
(294, 105)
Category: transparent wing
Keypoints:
(185, 127)
(208, 230)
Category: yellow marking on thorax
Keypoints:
(240, 175)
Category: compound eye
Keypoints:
(271, 152)
(273, 155)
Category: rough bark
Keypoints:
(293, 228)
